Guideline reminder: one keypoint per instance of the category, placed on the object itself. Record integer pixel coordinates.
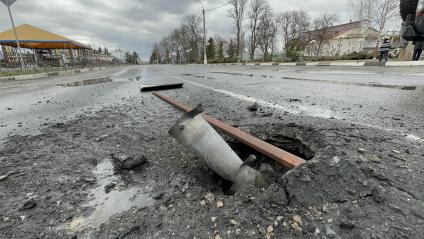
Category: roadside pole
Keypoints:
(9, 3)
(205, 59)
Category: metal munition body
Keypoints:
(194, 132)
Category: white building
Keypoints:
(345, 39)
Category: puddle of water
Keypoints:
(109, 204)
(88, 82)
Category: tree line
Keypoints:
(256, 27)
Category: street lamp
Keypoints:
(188, 55)
(205, 57)
(9, 3)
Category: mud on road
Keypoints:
(359, 182)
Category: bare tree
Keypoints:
(191, 26)
(384, 11)
(267, 32)
(257, 9)
(378, 12)
(237, 14)
(182, 45)
(323, 30)
(155, 57)
(362, 9)
(294, 26)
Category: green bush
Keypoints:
(355, 56)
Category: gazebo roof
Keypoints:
(35, 38)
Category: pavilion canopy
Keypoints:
(35, 38)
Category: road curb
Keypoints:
(48, 74)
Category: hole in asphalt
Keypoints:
(269, 167)
(88, 82)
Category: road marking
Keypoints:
(245, 98)
(280, 107)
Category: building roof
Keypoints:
(35, 38)
(338, 30)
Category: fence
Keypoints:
(48, 60)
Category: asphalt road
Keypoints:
(360, 128)
(385, 98)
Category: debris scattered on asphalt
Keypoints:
(7, 175)
(3, 177)
(28, 205)
(267, 114)
(266, 168)
(253, 108)
(396, 151)
(127, 162)
(210, 197)
(347, 225)
(109, 187)
(147, 88)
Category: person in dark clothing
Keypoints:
(418, 49)
(384, 48)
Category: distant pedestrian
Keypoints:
(418, 49)
(384, 48)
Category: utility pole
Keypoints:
(205, 57)
(9, 3)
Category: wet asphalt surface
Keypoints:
(385, 98)
(361, 128)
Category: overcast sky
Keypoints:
(137, 24)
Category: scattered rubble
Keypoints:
(30, 204)
(253, 108)
(3, 177)
(339, 193)
(127, 162)
(109, 187)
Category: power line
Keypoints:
(223, 5)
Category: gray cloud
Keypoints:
(137, 24)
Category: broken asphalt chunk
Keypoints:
(28, 205)
(126, 162)
(253, 108)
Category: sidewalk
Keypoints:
(48, 74)
(335, 63)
